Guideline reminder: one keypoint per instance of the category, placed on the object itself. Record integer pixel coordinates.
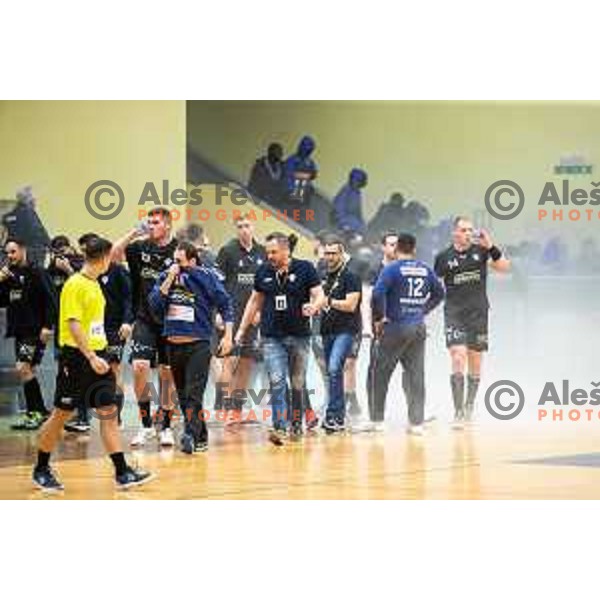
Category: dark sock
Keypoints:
(457, 383)
(118, 459)
(82, 411)
(145, 415)
(34, 401)
(472, 387)
(166, 419)
(43, 461)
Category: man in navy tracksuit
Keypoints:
(184, 299)
(300, 171)
(404, 293)
(347, 205)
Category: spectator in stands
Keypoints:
(347, 205)
(267, 178)
(389, 215)
(23, 223)
(300, 171)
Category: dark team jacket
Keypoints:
(188, 308)
(58, 277)
(146, 261)
(30, 301)
(239, 267)
(465, 278)
(116, 287)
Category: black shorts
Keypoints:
(147, 343)
(114, 350)
(76, 381)
(29, 350)
(467, 328)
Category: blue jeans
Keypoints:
(286, 358)
(337, 348)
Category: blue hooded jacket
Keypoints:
(188, 309)
(347, 205)
(301, 161)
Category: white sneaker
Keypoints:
(458, 423)
(143, 435)
(166, 437)
(417, 430)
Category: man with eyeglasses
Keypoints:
(238, 261)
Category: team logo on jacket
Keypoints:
(145, 257)
(293, 277)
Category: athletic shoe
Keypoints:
(312, 421)
(166, 438)
(22, 424)
(45, 480)
(143, 435)
(201, 447)
(416, 430)
(277, 436)
(331, 425)
(133, 478)
(77, 426)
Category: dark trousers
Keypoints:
(405, 346)
(189, 365)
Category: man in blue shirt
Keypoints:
(183, 300)
(287, 292)
(404, 293)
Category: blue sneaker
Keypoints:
(133, 478)
(45, 480)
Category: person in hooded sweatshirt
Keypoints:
(267, 178)
(347, 205)
(300, 171)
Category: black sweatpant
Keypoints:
(189, 365)
(407, 346)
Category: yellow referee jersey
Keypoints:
(82, 299)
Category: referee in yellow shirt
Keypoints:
(83, 371)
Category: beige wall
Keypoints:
(62, 147)
(443, 153)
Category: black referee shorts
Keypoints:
(76, 381)
(467, 328)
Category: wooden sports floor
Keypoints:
(484, 462)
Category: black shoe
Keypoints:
(45, 480)
(201, 447)
(22, 424)
(333, 425)
(132, 478)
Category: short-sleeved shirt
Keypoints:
(239, 266)
(82, 300)
(284, 296)
(337, 286)
(146, 260)
(464, 274)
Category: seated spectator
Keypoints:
(347, 205)
(389, 215)
(300, 171)
(267, 178)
